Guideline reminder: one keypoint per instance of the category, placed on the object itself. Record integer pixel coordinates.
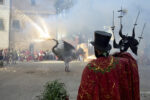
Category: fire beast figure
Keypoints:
(66, 52)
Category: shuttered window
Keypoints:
(2, 24)
(16, 24)
(1, 2)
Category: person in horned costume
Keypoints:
(106, 78)
(125, 43)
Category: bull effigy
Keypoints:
(65, 52)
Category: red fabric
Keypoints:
(108, 78)
(40, 58)
(28, 55)
(133, 72)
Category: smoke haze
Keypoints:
(86, 16)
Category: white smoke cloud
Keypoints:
(87, 16)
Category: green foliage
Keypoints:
(54, 91)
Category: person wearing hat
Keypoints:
(106, 77)
(1, 57)
(125, 43)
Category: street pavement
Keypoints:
(25, 81)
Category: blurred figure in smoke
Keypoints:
(15, 56)
(18, 55)
(1, 57)
(22, 55)
(31, 49)
(108, 77)
(36, 55)
(6, 56)
(51, 55)
(41, 55)
(27, 55)
(11, 56)
(81, 54)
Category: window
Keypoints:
(33, 2)
(1, 1)
(16, 24)
(1, 24)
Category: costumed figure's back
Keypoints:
(107, 77)
(125, 43)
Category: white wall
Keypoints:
(4, 14)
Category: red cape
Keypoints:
(109, 78)
(134, 73)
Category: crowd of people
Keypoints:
(11, 56)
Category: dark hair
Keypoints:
(101, 54)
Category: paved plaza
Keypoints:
(25, 81)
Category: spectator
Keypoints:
(108, 77)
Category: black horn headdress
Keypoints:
(126, 41)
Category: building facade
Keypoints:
(21, 21)
(28, 20)
(25, 18)
(4, 23)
